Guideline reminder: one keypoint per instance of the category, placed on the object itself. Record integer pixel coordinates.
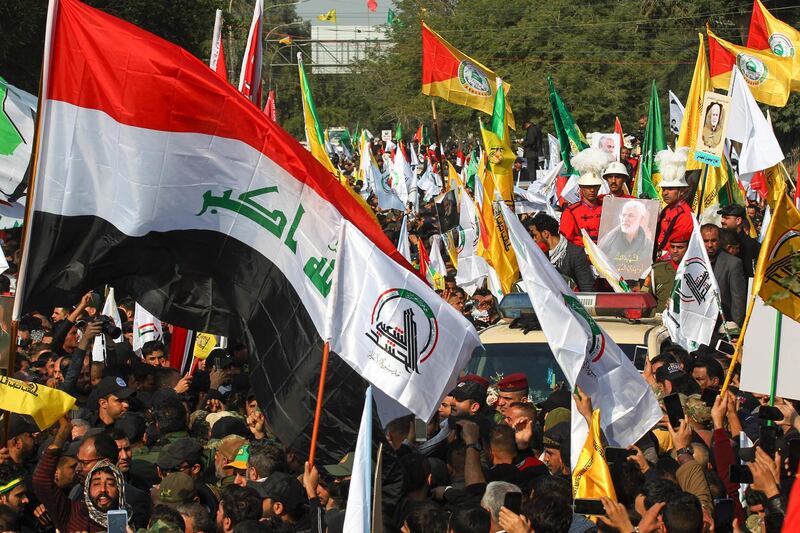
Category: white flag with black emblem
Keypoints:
(589, 358)
(694, 306)
(393, 329)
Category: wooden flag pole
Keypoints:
(739, 344)
(439, 146)
(702, 192)
(320, 395)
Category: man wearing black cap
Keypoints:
(468, 399)
(284, 498)
(21, 443)
(733, 217)
(556, 449)
(112, 400)
(186, 455)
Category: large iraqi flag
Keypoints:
(157, 177)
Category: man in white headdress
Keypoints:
(676, 217)
(585, 213)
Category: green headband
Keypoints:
(10, 485)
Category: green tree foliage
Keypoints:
(602, 55)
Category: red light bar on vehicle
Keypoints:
(630, 305)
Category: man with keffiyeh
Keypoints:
(104, 489)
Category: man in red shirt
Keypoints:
(676, 217)
(616, 175)
(584, 214)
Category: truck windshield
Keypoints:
(532, 358)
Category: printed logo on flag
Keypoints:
(781, 45)
(698, 282)
(386, 182)
(403, 326)
(754, 70)
(597, 341)
(787, 248)
(473, 79)
(461, 239)
(149, 327)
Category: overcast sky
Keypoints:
(348, 12)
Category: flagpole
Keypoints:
(702, 192)
(320, 393)
(776, 352)
(739, 342)
(438, 140)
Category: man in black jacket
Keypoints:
(570, 260)
(733, 218)
(532, 145)
(729, 273)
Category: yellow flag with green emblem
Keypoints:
(497, 142)
(43, 404)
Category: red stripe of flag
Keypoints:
(141, 80)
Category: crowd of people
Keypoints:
(194, 453)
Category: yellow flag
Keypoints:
(716, 177)
(501, 159)
(330, 16)
(768, 76)
(316, 139)
(43, 404)
(770, 33)
(496, 247)
(777, 260)
(203, 344)
(287, 40)
(591, 478)
(776, 184)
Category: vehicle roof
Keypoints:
(620, 330)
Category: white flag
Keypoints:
(387, 199)
(250, 78)
(694, 306)
(746, 124)
(403, 245)
(472, 268)
(397, 333)
(358, 512)
(109, 309)
(146, 327)
(588, 357)
(436, 260)
(17, 118)
(401, 174)
(675, 113)
(554, 148)
(216, 41)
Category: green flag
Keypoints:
(390, 16)
(398, 132)
(570, 138)
(498, 126)
(472, 170)
(17, 117)
(649, 174)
